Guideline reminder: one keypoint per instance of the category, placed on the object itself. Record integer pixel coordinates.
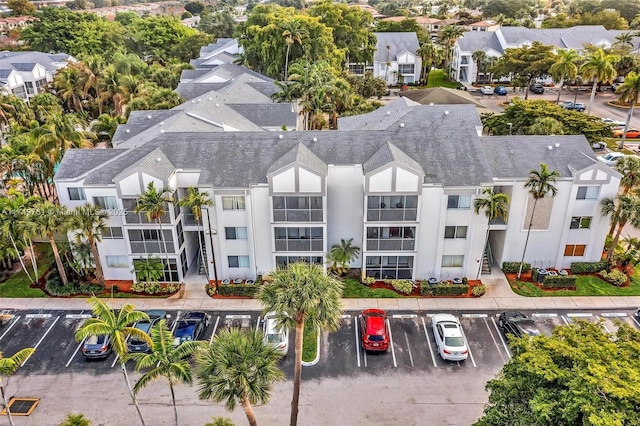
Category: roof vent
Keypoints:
(128, 131)
(280, 136)
(401, 124)
(148, 117)
(557, 145)
(210, 99)
(446, 113)
(217, 105)
(199, 100)
(158, 159)
(388, 112)
(430, 103)
(315, 139)
(550, 147)
(162, 131)
(162, 123)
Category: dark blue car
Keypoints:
(190, 327)
(133, 344)
(500, 90)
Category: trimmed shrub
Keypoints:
(210, 289)
(465, 280)
(615, 277)
(402, 286)
(514, 267)
(368, 280)
(155, 288)
(479, 290)
(588, 267)
(559, 281)
(53, 285)
(238, 289)
(444, 289)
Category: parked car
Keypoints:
(374, 333)
(613, 123)
(500, 90)
(577, 106)
(135, 345)
(277, 337)
(611, 158)
(447, 332)
(631, 133)
(537, 88)
(97, 346)
(486, 90)
(190, 327)
(517, 324)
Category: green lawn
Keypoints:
(309, 344)
(437, 79)
(354, 289)
(18, 284)
(587, 285)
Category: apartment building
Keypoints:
(24, 74)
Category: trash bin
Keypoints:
(563, 272)
(552, 273)
(457, 280)
(433, 281)
(541, 274)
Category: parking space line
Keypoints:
(633, 318)
(41, 339)
(258, 323)
(566, 321)
(38, 316)
(215, 327)
(544, 315)
(495, 342)
(501, 338)
(406, 338)
(404, 316)
(355, 327)
(473, 361)
(175, 323)
(238, 316)
(579, 315)
(16, 319)
(433, 358)
(474, 315)
(613, 314)
(75, 352)
(364, 356)
(393, 352)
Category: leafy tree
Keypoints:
(540, 183)
(564, 67)
(495, 206)
(21, 7)
(479, 56)
(194, 7)
(119, 327)
(628, 9)
(293, 33)
(546, 126)
(629, 91)
(598, 66)
(220, 421)
(341, 255)
(90, 222)
(447, 37)
(367, 86)
(302, 292)
(610, 19)
(8, 366)
(105, 126)
(17, 227)
(237, 367)
(76, 420)
(165, 361)
(44, 106)
(220, 24)
(431, 55)
(579, 375)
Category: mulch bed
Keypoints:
(416, 290)
(526, 277)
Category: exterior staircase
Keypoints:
(202, 268)
(487, 260)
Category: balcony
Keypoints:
(299, 245)
(156, 247)
(131, 217)
(392, 215)
(189, 219)
(390, 244)
(303, 215)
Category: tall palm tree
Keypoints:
(430, 54)
(69, 85)
(624, 209)
(153, 202)
(546, 126)
(629, 91)
(479, 56)
(293, 33)
(8, 366)
(105, 126)
(629, 168)
(448, 37)
(298, 293)
(495, 206)
(625, 40)
(341, 255)
(51, 220)
(89, 224)
(540, 184)
(196, 200)
(15, 226)
(119, 327)
(165, 360)
(239, 367)
(564, 68)
(598, 66)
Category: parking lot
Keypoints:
(414, 381)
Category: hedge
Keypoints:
(443, 289)
(559, 281)
(53, 285)
(588, 267)
(238, 289)
(514, 267)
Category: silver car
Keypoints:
(277, 337)
(451, 343)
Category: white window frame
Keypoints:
(239, 232)
(464, 202)
(457, 231)
(117, 261)
(452, 260)
(234, 202)
(242, 261)
(81, 196)
(590, 193)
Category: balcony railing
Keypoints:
(190, 219)
(392, 215)
(391, 244)
(156, 247)
(131, 217)
(299, 245)
(291, 215)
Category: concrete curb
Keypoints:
(317, 358)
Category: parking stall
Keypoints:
(28, 330)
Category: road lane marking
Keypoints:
(501, 338)
(41, 339)
(404, 316)
(393, 352)
(215, 327)
(433, 358)
(473, 361)
(15, 320)
(75, 352)
(495, 342)
(406, 338)
(355, 327)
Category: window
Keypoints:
(297, 209)
(76, 194)
(29, 86)
(112, 233)
(105, 203)
(238, 261)
(117, 262)
(236, 233)
(452, 261)
(580, 222)
(587, 193)
(356, 68)
(455, 232)
(392, 208)
(286, 260)
(235, 202)
(406, 68)
(382, 66)
(389, 267)
(459, 201)
(298, 239)
(574, 249)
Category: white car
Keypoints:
(611, 158)
(451, 343)
(613, 123)
(486, 90)
(277, 337)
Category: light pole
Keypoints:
(510, 126)
(213, 255)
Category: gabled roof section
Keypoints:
(389, 153)
(268, 115)
(390, 45)
(156, 163)
(442, 96)
(139, 122)
(192, 90)
(301, 155)
(51, 62)
(24, 66)
(379, 119)
(77, 162)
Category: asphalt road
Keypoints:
(406, 385)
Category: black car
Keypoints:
(190, 327)
(517, 324)
(537, 88)
(133, 344)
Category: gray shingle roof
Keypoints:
(389, 153)
(268, 115)
(138, 122)
(23, 66)
(76, 162)
(192, 90)
(45, 59)
(191, 74)
(397, 43)
(379, 119)
(300, 154)
(157, 163)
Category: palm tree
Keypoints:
(119, 327)
(196, 200)
(165, 360)
(153, 203)
(598, 67)
(540, 184)
(564, 68)
(626, 208)
(341, 255)
(430, 54)
(629, 168)
(302, 292)
(479, 56)
(495, 206)
(624, 40)
(629, 91)
(546, 126)
(16, 226)
(239, 367)
(89, 223)
(76, 420)
(52, 220)
(293, 33)
(448, 37)
(105, 126)
(8, 366)
(220, 421)
(149, 269)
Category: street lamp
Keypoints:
(510, 126)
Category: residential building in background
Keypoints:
(24, 74)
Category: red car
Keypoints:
(373, 330)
